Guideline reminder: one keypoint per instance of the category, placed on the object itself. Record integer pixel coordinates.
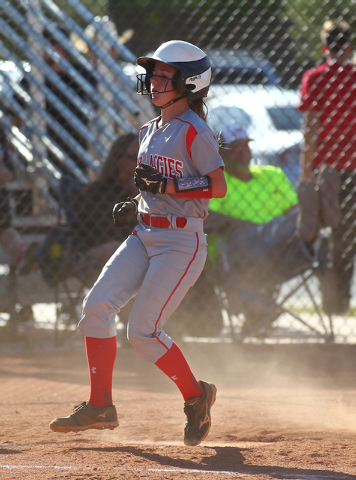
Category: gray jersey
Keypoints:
(158, 265)
(184, 147)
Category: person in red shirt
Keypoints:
(328, 98)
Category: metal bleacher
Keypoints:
(109, 106)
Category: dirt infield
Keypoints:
(282, 412)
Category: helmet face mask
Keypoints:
(144, 83)
(193, 76)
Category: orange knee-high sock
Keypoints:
(101, 355)
(175, 366)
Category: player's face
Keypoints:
(161, 84)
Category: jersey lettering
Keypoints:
(160, 165)
(179, 168)
(168, 167)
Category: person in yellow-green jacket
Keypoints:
(263, 232)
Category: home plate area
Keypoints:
(282, 412)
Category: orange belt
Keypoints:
(162, 222)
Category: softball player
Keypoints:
(179, 170)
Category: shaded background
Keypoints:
(283, 35)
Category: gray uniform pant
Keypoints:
(158, 266)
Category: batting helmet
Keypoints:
(193, 76)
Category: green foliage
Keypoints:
(155, 21)
(283, 29)
(97, 7)
(307, 19)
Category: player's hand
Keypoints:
(123, 211)
(149, 179)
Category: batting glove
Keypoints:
(123, 211)
(149, 179)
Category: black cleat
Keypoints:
(86, 416)
(198, 415)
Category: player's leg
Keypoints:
(170, 275)
(117, 284)
(176, 261)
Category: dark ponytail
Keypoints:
(199, 107)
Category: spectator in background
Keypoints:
(95, 234)
(146, 109)
(21, 255)
(82, 246)
(53, 110)
(328, 98)
(11, 240)
(262, 230)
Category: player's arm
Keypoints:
(218, 181)
(311, 128)
(213, 185)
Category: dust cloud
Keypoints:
(296, 387)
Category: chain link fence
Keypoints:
(281, 253)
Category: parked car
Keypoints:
(269, 114)
(240, 66)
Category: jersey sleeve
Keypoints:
(142, 132)
(205, 153)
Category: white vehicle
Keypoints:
(269, 114)
(241, 66)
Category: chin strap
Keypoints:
(172, 101)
